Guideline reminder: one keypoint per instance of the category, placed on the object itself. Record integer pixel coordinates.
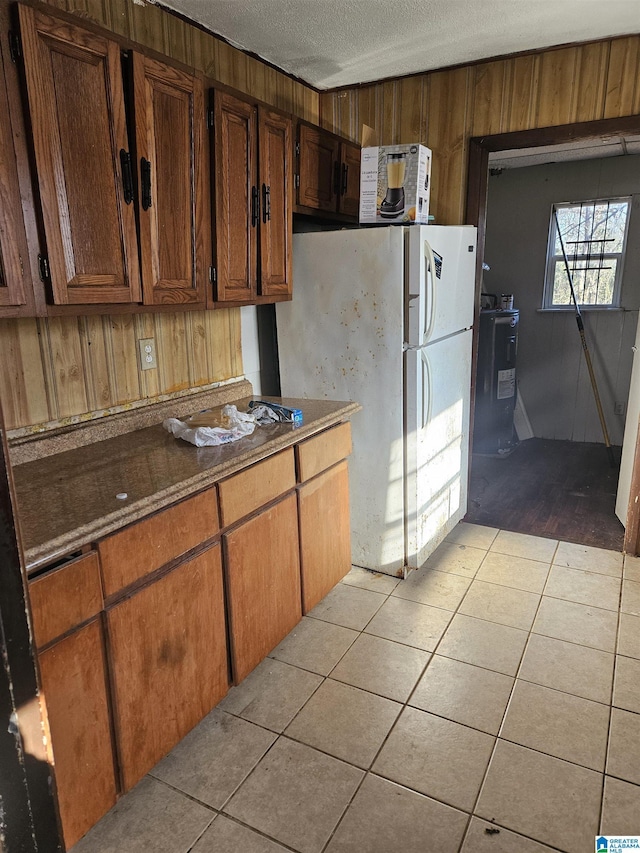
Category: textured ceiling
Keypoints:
(330, 43)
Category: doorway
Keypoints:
(559, 484)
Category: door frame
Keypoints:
(476, 214)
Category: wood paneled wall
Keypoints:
(53, 368)
(444, 109)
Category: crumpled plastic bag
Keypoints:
(233, 425)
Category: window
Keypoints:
(594, 235)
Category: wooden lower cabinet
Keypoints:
(168, 661)
(72, 673)
(263, 583)
(325, 545)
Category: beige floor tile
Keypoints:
(516, 572)
(629, 636)
(382, 667)
(315, 645)
(482, 643)
(346, 722)
(626, 692)
(384, 817)
(557, 724)
(584, 587)
(438, 589)
(587, 557)
(410, 622)
(375, 581)
(436, 757)
(348, 606)
(630, 598)
(227, 836)
(523, 545)
(476, 535)
(152, 817)
(624, 746)
(272, 694)
(463, 693)
(566, 666)
(621, 808)
(483, 838)
(456, 558)
(501, 604)
(296, 795)
(576, 623)
(214, 758)
(542, 797)
(632, 568)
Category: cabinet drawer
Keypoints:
(64, 598)
(324, 450)
(143, 547)
(258, 485)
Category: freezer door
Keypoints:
(438, 382)
(440, 284)
(340, 338)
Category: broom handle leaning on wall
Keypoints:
(585, 348)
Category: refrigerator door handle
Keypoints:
(427, 397)
(429, 292)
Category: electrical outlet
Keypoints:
(618, 408)
(147, 353)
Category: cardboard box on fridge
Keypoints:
(395, 183)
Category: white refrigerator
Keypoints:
(383, 316)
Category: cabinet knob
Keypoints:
(266, 203)
(145, 177)
(255, 207)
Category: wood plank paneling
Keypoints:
(623, 78)
(557, 86)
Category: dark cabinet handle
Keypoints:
(336, 178)
(127, 176)
(145, 177)
(255, 206)
(266, 203)
(345, 172)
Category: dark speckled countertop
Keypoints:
(68, 499)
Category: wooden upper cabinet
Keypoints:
(236, 198)
(319, 168)
(169, 119)
(349, 198)
(276, 226)
(75, 93)
(252, 160)
(13, 250)
(328, 173)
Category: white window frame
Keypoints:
(553, 260)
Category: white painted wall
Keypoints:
(553, 378)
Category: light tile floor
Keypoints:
(488, 704)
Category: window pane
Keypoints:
(593, 282)
(593, 234)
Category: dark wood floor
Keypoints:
(558, 489)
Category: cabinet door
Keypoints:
(263, 584)
(74, 85)
(349, 202)
(168, 661)
(319, 174)
(276, 224)
(236, 198)
(169, 107)
(13, 250)
(325, 543)
(73, 681)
